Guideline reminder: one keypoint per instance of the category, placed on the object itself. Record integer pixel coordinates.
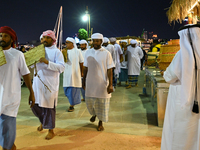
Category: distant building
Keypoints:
(145, 36)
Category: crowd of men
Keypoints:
(91, 71)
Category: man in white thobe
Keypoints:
(84, 48)
(10, 87)
(134, 53)
(72, 75)
(98, 80)
(110, 48)
(46, 84)
(118, 59)
(181, 130)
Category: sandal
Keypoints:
(71, 109)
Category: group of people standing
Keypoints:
(92, 72)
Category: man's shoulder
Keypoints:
(16, 52)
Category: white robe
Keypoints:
(111, 49)
(118, 52)
(98, 63)
(72, 73)
(134, 56)
(10, 81)
(181, 126)
(49, 74)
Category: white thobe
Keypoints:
(118, 52)
(98, 62)
(49, 74)
(10, 81)
(134, 56)
(72, 73)
(111, 49)
(181, 128)
(83, 53)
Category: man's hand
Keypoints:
(31, 99)
(44, 60)
(110, 89)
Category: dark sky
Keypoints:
(29, 18)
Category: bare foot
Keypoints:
(50, 134)
(92, 119)
(100, 126)
(13, 147)
(40, 128)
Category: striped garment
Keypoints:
(98, 107)
(133, 79)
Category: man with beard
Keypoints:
(84, 47)
(97, 80)
(46, 84)
(10, 87)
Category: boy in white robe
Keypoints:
(98, 80)
(46, 84)
(72, 75)
(10, 87)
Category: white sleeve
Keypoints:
(81, 59)
(110, 63)
(58, 64)
(141, 54)
(120, 50)
(113, 55)
(23, 69)
(85, 60)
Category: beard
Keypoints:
(97, 46)
(4, 44)
(83, 48)
(47, 44)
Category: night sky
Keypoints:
(29, 18)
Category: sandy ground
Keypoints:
(83, 140)
(132, 125)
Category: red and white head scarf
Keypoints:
(12, 33)
(50, 34)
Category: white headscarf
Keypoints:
(133, 42)
(106, 40)
(84, 42)
(184, 65)
(97, 36)
(72, 40)
(112, 39)
(41, 36)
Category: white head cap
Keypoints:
(83, 42)
(124, 41)
(97, 36)
(133, 42)
(72, 40)
(106, 40)
(112, 39)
